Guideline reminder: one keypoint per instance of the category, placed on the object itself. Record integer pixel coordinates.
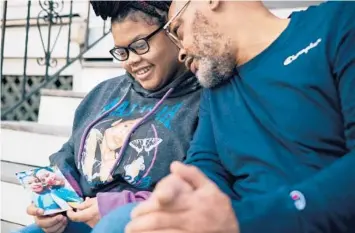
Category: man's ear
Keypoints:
(214, 4)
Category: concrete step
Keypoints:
(37, 142)
(15, 41)
(14, 201)
(57, 107)
(16, 28)
(9, 170)
(94, 72)
(10, 227)
(14, 212)
(31, 143)
(101, 50)
(15, 66)
(18, 9)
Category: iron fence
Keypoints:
(49, 16)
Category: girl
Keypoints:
(128, 129)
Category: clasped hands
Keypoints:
(185, 201)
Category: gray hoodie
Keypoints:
(125, 137)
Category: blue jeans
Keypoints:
(115, 221)
(73, 227)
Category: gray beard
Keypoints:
(214, 71)
(215, 61)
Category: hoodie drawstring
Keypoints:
(124, 146)
(87, 129)
(126, 141)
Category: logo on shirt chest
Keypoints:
(298, 199)
(292, 58)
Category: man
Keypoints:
(277, 124)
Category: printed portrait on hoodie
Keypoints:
(136, 134)
(103, 144)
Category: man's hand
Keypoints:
(185, 201)
(162, 196)
(87, 212)
(50, 224)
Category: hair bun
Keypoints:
(111, 8)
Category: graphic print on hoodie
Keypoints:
(138, 135)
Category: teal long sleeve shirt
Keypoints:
(279, 136)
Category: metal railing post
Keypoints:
(3, 26)
(70, 25)
(26, 45)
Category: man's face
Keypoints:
(208, 50)
(47, 178)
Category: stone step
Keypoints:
(102, 48)
(94, 72)
(13, 213)
(15, 41)
(9, 170)
(10, 227)
(14, 67)
(17, 10)
(31, 143)
(14, 201)
(57, 107)
(25, 145)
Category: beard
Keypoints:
(215, 61)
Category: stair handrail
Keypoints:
(50, 13)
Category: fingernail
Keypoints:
(39, 211)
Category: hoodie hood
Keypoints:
(123, 132)
(182, 85)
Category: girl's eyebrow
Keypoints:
(137, 37)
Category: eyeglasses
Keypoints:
(139, 47)
(173, 35)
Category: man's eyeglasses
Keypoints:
(173, 35)
(139, 47)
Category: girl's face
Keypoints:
(46, 177)
(156, 67)
(35, 184)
